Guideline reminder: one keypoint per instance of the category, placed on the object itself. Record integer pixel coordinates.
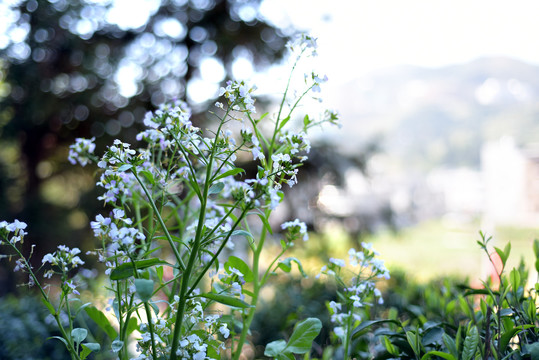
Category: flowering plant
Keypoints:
(176, 206)
(357, 292)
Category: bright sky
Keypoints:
(360, 35)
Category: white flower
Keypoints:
(338, 262)
(224, 331)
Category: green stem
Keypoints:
(160, 219)
(70, 348)
(257, 285)
(194, 250)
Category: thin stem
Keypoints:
(257, 285)
(160, 219)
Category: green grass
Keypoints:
(425, 251)
(438, 248)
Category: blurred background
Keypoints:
(438, 102)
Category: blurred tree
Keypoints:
(72, 68)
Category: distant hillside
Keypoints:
(430, 117)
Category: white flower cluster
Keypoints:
(199, 343)
(303, 45)
(362, 286)
(16, 227)
(81, 151)
(238, 95)
(64, 258)
(295, 228)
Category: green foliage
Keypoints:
(300, 341)
(456, 322)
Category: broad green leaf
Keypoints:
(126, 270)
(232, 172)
(303, 336)
(102, 321)
(117, 345)
(238, 264)
(389, 346)
(439, 354)
(451, 345)
(470, 344)
(144, 289)
(148, 175)
(216, 188)
(432, 335)
(132, 325)
(87, 348)
(124, 167)
(286, 265)
(536, 247)
(509, 334)
(79, 334)
(49, 306)
(533, 350)
(226, 300)
(274, 348)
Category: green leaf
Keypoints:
(306, 121)
(232, 172)
(148, 175)
(265, 223)
(79, 334)
(509, 334)
(286, 265)
(365, 325)
(61, 339)
(413, 340)
(274, 348)
(470, 344)
(450, 345)
(132, 325)
(438, 353)
(432, 335)
(502, 254)
(238, 264)
(507, 250)
(216, 188)
(49, 306)
(226, 300)
(514, 277)
(536, 247)
(88, 348)
(117, 345)
(126, 270)
(242, 233)
(303, 336)
(284, 122)
(144, 289)
(124, 167)
(389, 346)
(102, 321)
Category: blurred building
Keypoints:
(511, 179)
